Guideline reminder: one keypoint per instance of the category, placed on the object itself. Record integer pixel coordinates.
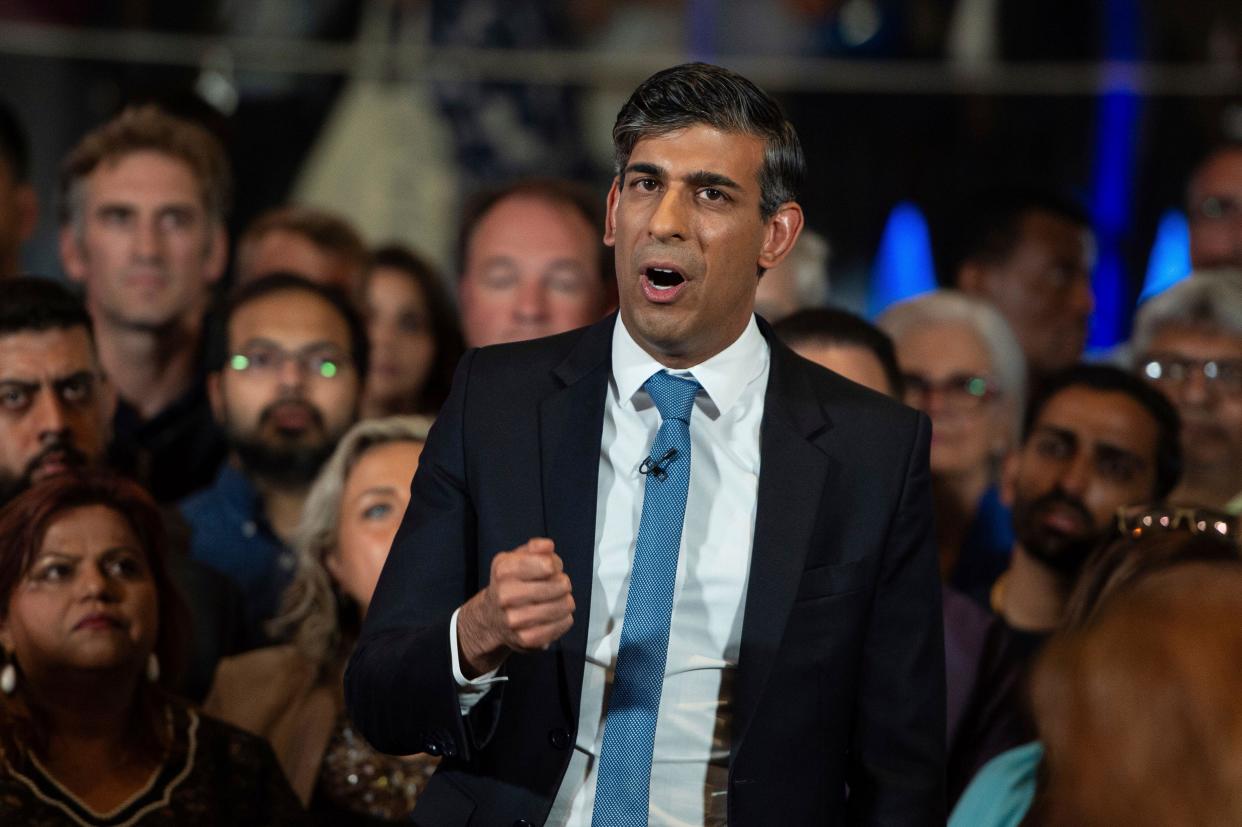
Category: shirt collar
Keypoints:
(723, 377)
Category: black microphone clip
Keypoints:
(658, 467)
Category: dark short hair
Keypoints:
(218, 339)
(34, 304)
(699, 93)
(14, 143)
(327, 231)
(1228, 146)
(1109, 379)
(992, 224)
(577, 197)
(445, 328)
(834, 326)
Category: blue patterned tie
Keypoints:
(623, 780)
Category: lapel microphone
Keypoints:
(658, 467)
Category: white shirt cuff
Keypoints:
(469, 692)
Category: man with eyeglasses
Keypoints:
(1188, 343)
(1214, 205)
(285, 368)
(1096, 438)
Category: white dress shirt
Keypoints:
(691, 756)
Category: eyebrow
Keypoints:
(698, 178)
(1060, 433)
(377, 489)
(1108, 451)
(55, 381)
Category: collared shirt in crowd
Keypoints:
(230, 533)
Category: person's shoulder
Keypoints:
(207, 502)
(544, 353)
(235, 749)
(860, 404)
(255, 687)
(242, 771)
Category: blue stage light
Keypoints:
(903, 265)
(1169, 262)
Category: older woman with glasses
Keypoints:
(91, 629)
(1187, 342)
(291, 694)
(962, 365)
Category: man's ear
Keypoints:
(780, 234)
(27, 203)
(215, 396)
(610, 217)
(217, 254)
(970, 278)
(72, 256)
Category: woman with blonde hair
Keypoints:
(291, 694)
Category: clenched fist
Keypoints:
(527, 606)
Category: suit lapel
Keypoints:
(571, 421)
(795, 467)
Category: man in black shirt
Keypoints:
(1095, 439)
(143, 199)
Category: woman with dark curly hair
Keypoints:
(92, 633)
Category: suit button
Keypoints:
(433, 748)
(558, 738)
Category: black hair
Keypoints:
(445, 327)
(699, 93)
(218, 339)
(14, 143)
(833, 326)
(578, 197)
(1226, 146)
(992, 223)
(1109, 379)
(32, 303)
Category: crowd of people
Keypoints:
(206, 450)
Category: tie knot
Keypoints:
(672, 395)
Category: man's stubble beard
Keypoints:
(1064, 555)
(282, 465)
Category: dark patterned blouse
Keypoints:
(215, 774)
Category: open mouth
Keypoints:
(662, 283)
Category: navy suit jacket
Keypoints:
(839, 696)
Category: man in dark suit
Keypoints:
(586, 643)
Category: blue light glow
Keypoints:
(1169, 262)
(903, 265)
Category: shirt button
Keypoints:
(249, 529)
(558, 738)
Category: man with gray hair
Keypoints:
(142, 205)
(1188, 343)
